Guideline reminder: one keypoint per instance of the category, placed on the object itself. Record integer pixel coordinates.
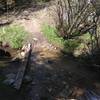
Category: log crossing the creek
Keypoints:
(23, 67)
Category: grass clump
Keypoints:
(13, 34)
(51, 34)
(70, 45)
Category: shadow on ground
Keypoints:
(18, 8)
(54, 76)
(49, 76)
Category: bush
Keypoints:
(14, 35)
(51, 34)
(70, 45)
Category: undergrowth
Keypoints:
(13, 34)
(68, 45)
(51, 34)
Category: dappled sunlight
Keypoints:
(49, 50)
(54, 74)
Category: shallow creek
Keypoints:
(50, 75)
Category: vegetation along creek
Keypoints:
(49, 50)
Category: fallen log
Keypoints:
(22, 70)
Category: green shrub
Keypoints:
(71, 44)
(13, 34)
(68, 45)
(51, 34)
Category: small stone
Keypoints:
(28, 78)
(25, 13)
(10, 76)
(55, 48)
(64, 82)
(50, 89)
(9, 81)
(50, 45)
(26, 18)
(33, 83)
(35, 39)
(50, 62)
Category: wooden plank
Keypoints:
(21, 72)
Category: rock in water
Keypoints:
(9, 76)
(27, 78)
(9, 81)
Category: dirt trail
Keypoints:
(33, 27)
